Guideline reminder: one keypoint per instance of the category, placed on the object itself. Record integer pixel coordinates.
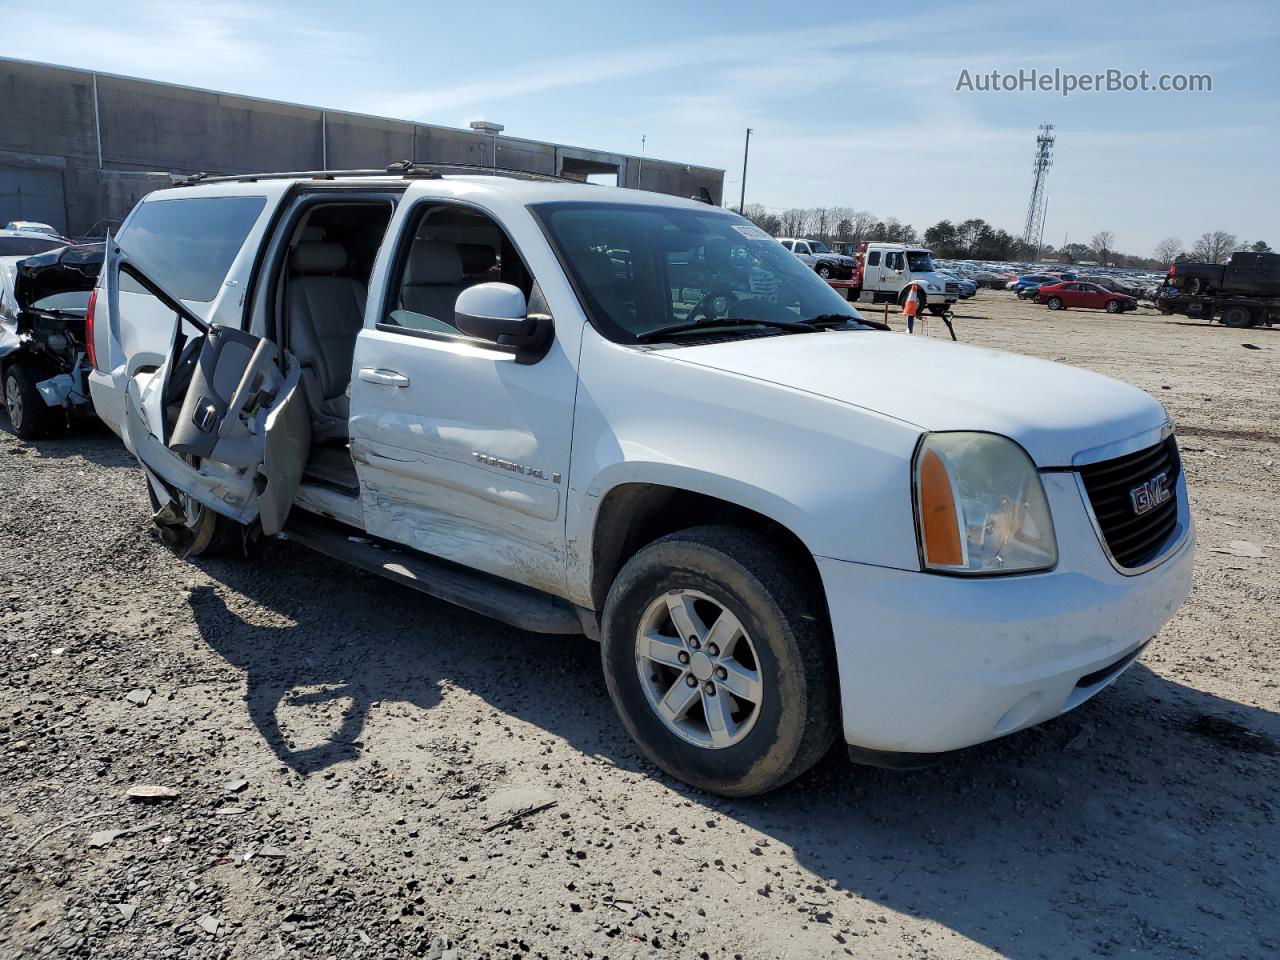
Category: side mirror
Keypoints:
(497, 312)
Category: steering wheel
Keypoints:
(714, 305)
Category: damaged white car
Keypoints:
(597, 410)
(43, 353)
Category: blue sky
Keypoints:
(854, 104)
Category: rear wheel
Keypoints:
(1196, 286)
(28, 413)
(1054, 303)
(190, 529)
(718, 659)
(1237, 316)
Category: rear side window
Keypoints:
(187, 246)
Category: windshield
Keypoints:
(817, 246)
(919, 261)
(640, 268)
(25, 246)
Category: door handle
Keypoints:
(386, 378)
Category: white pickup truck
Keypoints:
(594, 410)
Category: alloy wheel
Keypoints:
(13, 401)
(699, 669)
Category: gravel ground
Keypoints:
(350, 758)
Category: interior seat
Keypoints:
(326, 312)
(433, 278)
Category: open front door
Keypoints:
(222, 422)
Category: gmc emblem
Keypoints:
(1149, 495)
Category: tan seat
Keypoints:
(326, 312)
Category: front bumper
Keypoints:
(933, 663)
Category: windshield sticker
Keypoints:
(751, 231)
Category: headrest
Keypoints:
(312, 234)
(477, 257)
(433, 262)
(318, 258)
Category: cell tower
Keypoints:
(1034, 229)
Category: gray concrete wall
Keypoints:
(48, 121)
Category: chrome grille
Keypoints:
(1114, 489)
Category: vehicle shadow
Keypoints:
(88, 438)
(1133, 813)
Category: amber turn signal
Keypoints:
(939, 520)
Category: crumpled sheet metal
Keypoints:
(64, 390)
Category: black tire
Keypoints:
(28, 413)
(939, 309)
(1115, 306)
(785, 617)
(1237, 316)
(1054, 303)
(1196, 286)
(823, 270)
(920, 294)
(212, 535)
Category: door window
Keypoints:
(188, 245)
(802, 249)
(452, 248)
(873, 258)
(893, 261)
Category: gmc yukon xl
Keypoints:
(783, 523)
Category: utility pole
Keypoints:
(746, 149)
(640, 168)
(1040, 239)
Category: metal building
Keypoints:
(77, 147)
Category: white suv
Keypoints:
(597, 410)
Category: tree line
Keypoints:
(975, 239)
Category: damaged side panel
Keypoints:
(223, 420)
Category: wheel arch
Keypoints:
(634, 514)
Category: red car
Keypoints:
(1077, 293)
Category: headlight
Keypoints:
(980, 506)
(933, 286)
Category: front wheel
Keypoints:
(1054, 303)
(28, 413)
(824, 271)
(1114, 306)
(718, 659)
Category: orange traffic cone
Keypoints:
(911, 307)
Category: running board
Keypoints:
(492, 596)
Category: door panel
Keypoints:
(223, 419)
(468, 460)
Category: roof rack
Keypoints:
(408, 169)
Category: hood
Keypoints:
(932, 277)
(65, 270)
(1055, 411)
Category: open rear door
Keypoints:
(222, 421)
